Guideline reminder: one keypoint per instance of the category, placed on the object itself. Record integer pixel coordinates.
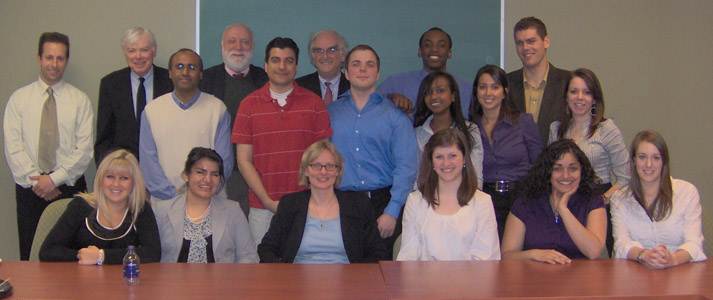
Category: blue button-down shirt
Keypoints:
(378, 145)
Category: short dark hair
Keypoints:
(531, 22)
(53, 37)
(170, 59)
(427, 176)
(199, 153)
(282, 43)
(450, 41)
(537, 180)
(363, 47)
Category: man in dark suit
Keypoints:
(327, 48)
(538, 87)
(230, 82)
(124, 93)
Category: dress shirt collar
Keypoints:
(231, 73)
(334, 81)
(57, 87)
(148, 76)
(190, 103)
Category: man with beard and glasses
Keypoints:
(231, 81)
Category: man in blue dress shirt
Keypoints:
(377, 141)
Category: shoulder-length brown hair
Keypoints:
(660, 208)
(592, 82)
(427, 177)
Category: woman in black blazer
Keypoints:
(322, 224)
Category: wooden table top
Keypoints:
(34, 280)
(508, 279)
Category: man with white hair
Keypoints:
(327, 48)
(230, 82)
(123, 94)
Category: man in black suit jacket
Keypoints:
(230, 82)
(120, 106)
(327, 48)
(538, 80)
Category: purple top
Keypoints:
(541, 229)
(515, 147)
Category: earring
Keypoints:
(463, 165)
(569, 113)
(593, 110)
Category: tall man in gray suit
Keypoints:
(538, 87)
(327, 48)
(123, 94)
(230, 82)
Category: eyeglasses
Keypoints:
(318, 167)
(330, 50)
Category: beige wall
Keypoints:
(654, 62)
(651, 57)
(95, 29)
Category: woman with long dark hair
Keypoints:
(437, 108)
(511, 139)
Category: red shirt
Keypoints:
(279, 136)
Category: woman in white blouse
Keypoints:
(657, 219)
(448, 218)
(582, 120)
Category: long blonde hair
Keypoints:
(118, 161)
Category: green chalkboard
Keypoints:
(392, 28)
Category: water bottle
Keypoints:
(131, 266)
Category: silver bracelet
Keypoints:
(100, 258)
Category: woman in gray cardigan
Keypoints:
(200, 227)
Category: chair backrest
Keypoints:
(397, 246)
(49, 217)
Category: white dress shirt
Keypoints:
(22, 125)
(680, 230)
(469, 234)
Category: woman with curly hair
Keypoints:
(558, 215)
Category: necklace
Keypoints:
(554, 210)
(319, 215)
(195, 220)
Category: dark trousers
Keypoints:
(601, 189)
(502, 202)
(30, 208)
(379, 200)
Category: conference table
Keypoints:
(582, 279)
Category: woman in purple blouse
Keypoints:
(511, 139)
(559, 214)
